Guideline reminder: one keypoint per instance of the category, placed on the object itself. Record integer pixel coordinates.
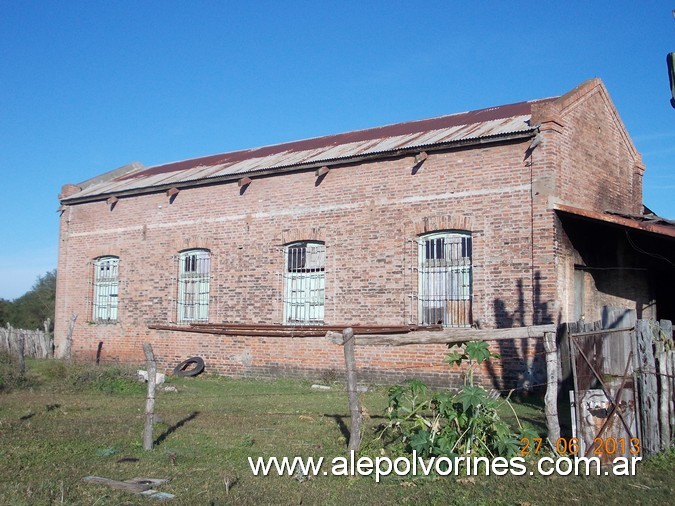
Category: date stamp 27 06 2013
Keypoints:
(572, 446)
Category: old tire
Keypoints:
(185, 368)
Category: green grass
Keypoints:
(63, 423)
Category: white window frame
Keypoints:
(194, 278)
(106, 289)
(445, 279)
(304, 283)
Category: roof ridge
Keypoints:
(474, 116)
(459, 128)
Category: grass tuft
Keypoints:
(78, 420)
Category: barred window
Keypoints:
(106, 283)
(304, 283)
(445, 279)
(194, 273)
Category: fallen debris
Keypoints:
(229, 480)
(302, 476)
(127, 459)
(142, 486)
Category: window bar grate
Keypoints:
(194, 286)
(106, 284)
(445, 279)
(304, 283)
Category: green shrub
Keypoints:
(108, 379)
(9, 373)
(451, 424)
(63, 375)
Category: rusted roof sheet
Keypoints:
(464, 127)
(663, 228)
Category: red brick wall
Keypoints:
(587, 161)
(368, 216)
(600, 163)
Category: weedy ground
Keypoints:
(63, 422)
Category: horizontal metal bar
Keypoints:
(290, 330)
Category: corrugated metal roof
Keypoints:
(465, 127)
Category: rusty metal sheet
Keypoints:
(613, 219)
(613, 440)
(490, 122)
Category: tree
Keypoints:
(34, 307)
(5, 311)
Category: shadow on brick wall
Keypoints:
(522, 363)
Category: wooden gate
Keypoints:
(604, 405)
(621, 405)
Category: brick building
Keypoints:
(481, 219)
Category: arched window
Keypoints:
(304, 283)
(106, 283)
(194, 272)
(445, 279)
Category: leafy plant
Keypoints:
(473, 352)
(452, 423)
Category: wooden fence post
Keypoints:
(69, 338)
(99, 349)
(354, 405)
(47, 341)
(21, 352)
(8, 338)
(671, 375)
(649, 402)
(25, 343)
(551, 397)
(150, 400)
(665, 394)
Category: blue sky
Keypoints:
(86, 87)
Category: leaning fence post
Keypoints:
(354, 405)
(551, 397)
(150, 400)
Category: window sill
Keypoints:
(103, 322)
